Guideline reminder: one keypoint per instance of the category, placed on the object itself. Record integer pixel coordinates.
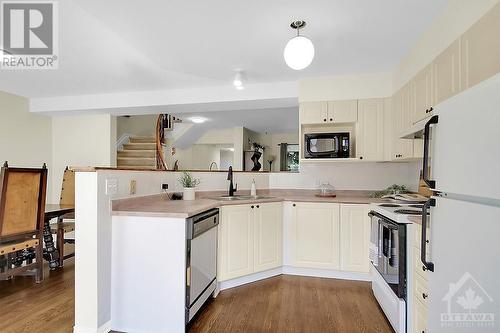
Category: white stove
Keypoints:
(398, 211)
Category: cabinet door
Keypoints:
(419, 317)
(370, 130)
(480, 46)
(236, 242)
(423, 94)
(313, 113)
(354, 238)
(343, 111)
(446, 72)
(315, 235)
(268, 236)
(401, 108)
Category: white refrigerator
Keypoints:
(462, 165)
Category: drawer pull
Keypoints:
(424, 268)
(424, 295)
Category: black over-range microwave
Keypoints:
(326, 145)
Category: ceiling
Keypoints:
(277, 120)
(121, 46)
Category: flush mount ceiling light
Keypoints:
(238, 80)
(198, 120)
(299, 51)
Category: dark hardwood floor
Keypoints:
(294, 304)
(280, 304)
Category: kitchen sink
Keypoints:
(242, 197)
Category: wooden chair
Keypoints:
(22, 210)
(62, 227)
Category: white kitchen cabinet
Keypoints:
(343, 111)
(354, 238)
(329, 112)
(419, 318)
(315, 235)
(446, 73)
(422, 93)
(313, 112)
(370, 130)
(268, 231)
(401, 148)
(250, 239)
(480, 49)
(236, 242)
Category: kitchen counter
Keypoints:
(160, 206)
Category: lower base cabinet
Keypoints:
(354, 238)
(327, 236)
(315, 235)
(250, 239)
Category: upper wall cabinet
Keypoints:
(343, 111)
(329, 112)
(370, 130)
(313, 112)
(446, 73)
(421, 91)
(480, 49)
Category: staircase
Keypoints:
(139, 153)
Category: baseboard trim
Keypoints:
(299, 271)
(101, 329)
(249, 278)
(326, 273)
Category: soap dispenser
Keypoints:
(253, 190)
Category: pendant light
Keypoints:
(299, 51)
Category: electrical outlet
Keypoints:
(111, 186)
(133, 186)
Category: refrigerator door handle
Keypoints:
(425, 169)
(423, 242)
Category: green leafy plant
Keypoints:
(393, 189)
(188, 181)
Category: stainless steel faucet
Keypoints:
(232, 188)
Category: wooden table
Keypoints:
(50, 252)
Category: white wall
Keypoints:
(458, 16)
(143, 125)
(345, 87)
(25, 138)
(81, 141)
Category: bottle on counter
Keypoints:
(253, 190)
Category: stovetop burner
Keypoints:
(408, 211)
(389, 205)
(416, 206)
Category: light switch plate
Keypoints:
(133, 186)
(111, 186)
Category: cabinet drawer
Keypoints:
(418, 266)
(420, 289)
(419, 317)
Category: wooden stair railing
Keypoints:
(165, 122)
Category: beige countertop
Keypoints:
(160, 206)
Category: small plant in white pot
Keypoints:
(188, 183)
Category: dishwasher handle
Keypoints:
(201, 223)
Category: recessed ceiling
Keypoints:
(120, 46)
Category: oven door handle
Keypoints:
(425, 167)
(423, 242)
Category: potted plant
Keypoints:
(188, 183)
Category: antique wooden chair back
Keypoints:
(68, 188)
(22, 212)
(22, 202)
